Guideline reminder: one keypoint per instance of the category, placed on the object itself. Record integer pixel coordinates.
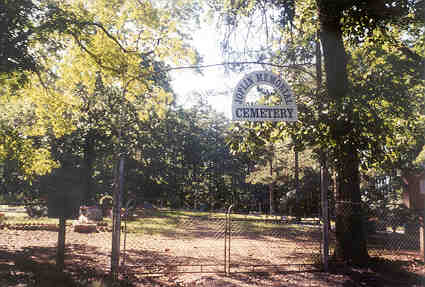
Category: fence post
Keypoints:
(227, 236)
(422, 235)
(325, 215)
(225, 246)
(116, 225)
(129, 206)
(60, 253)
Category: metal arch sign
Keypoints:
(242, 112)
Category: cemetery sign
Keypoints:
(241, 111)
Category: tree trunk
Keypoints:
(350, 236)
(334, 55)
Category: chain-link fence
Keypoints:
(170, 241)
(274, 244)
(163, 243)
(388, 230)
(392, 229)
(30, 248)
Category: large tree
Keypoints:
(48, 47)
(337, 18)
(354, 122)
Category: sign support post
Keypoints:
(287, 112)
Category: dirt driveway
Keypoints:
(27, 259)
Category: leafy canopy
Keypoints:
(65, 43)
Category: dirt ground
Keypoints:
(27, 258)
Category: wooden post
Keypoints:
(60, 253)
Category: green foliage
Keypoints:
(186, 147)
(52, 47)
(17, 29)
(369, 113)
(381, 113)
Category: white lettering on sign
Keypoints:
(243, 112)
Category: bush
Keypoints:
(36, 208)
(35, 211)
(105, 203)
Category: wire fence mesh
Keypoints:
(204, 244)
(389, 229)
(165, 243)
(175, 241)
(271, 244)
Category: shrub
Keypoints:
(36, 208)
(106, 204)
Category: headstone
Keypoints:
(85, 228)
(93, 213)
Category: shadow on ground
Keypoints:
(35, 267)
(382, 272)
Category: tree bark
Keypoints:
(334, 55)
(350, 236)
(350, 232)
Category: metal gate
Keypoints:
(174, 242)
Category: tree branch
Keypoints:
(109, 35)
(408, 52)
(95, 58)
(294, 67)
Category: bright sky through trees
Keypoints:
(213, 82)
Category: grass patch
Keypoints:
(192, 223)
(174, 223)
(153, 225)
(12, 218)
(271, 229)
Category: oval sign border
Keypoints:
(243, 112)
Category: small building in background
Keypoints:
(414, 199)
(414, 193)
